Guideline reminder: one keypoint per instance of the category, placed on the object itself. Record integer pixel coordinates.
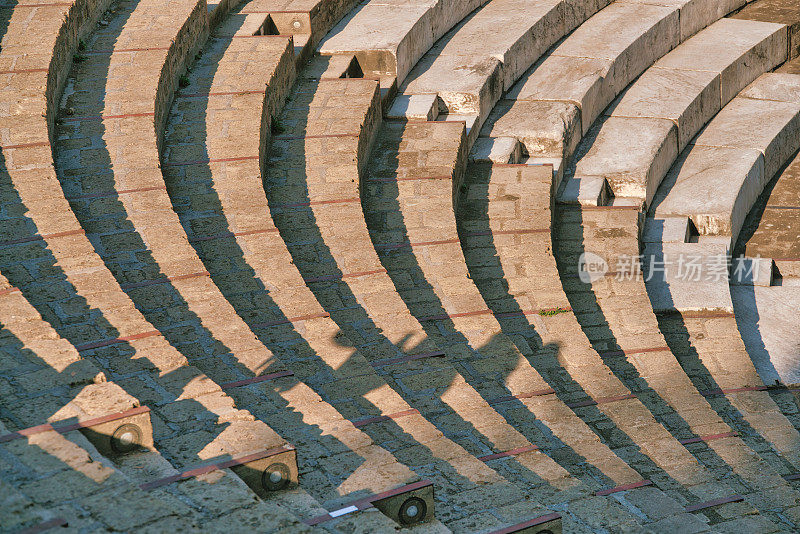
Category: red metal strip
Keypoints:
(116, 340)
(528, 524)
(512, 452)
(445, 316)
(624, 487)
(521, 231)
(255, 380)
(320, 136)
(146, 283)
(601, 400)
(47, 525)
(392, 246)
(409, 179)
(26, 145)
(714, 502)
(710, 437)
(191, 473)
(123, 50)
(398, 491)
(22, 71)
(408, 358)
(228, 235)
(43, 4)
(572, 207)
(274, 11)
(529, 395)
(317, 202)
(706, 315)
(206, 161)
(342, 276)
(10, 290)
(380, 418)
(610, 353)
(222, 93)
(69, 427)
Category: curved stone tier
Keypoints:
(666, 107)
(390, 51)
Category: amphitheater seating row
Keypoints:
(667, 106)
(343, 307)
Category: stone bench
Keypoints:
(630, 150)
(502, 209)
(468, 70)
(55, 478)
(327, 129)
(70, 283)
(746, 143)
(390, 49)
(220, 201)
(568, 89)
(775, 235)
(778, 11)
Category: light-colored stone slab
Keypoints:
(390, 36)
(780, 11)
(696, 14)
(483, 56)
(668, 230)
(687, 276)
(688, 98)
(464, 84)
(420, 107)
(496, 150)
(782, 87)
(555, 132)
(768, 321)
(737, 50)
(577, 80)
(752, 271)
(583, 190)
(715, 186)
(771, 127)
(632, 154)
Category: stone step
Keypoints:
(479, 59)
(215, 199)
(81, 406)
(779, 11)
(571, 85)
(748, 142)
(667, 106)
(506, 215)
(336, 129)
(770, 232)
(47, 256)
(444, 302)
(392, 49)
(635, 348)
(92, 489)
(698, 332)
(169, 283)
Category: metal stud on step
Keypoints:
(412, 511)
(126, 438)
(276, 477)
